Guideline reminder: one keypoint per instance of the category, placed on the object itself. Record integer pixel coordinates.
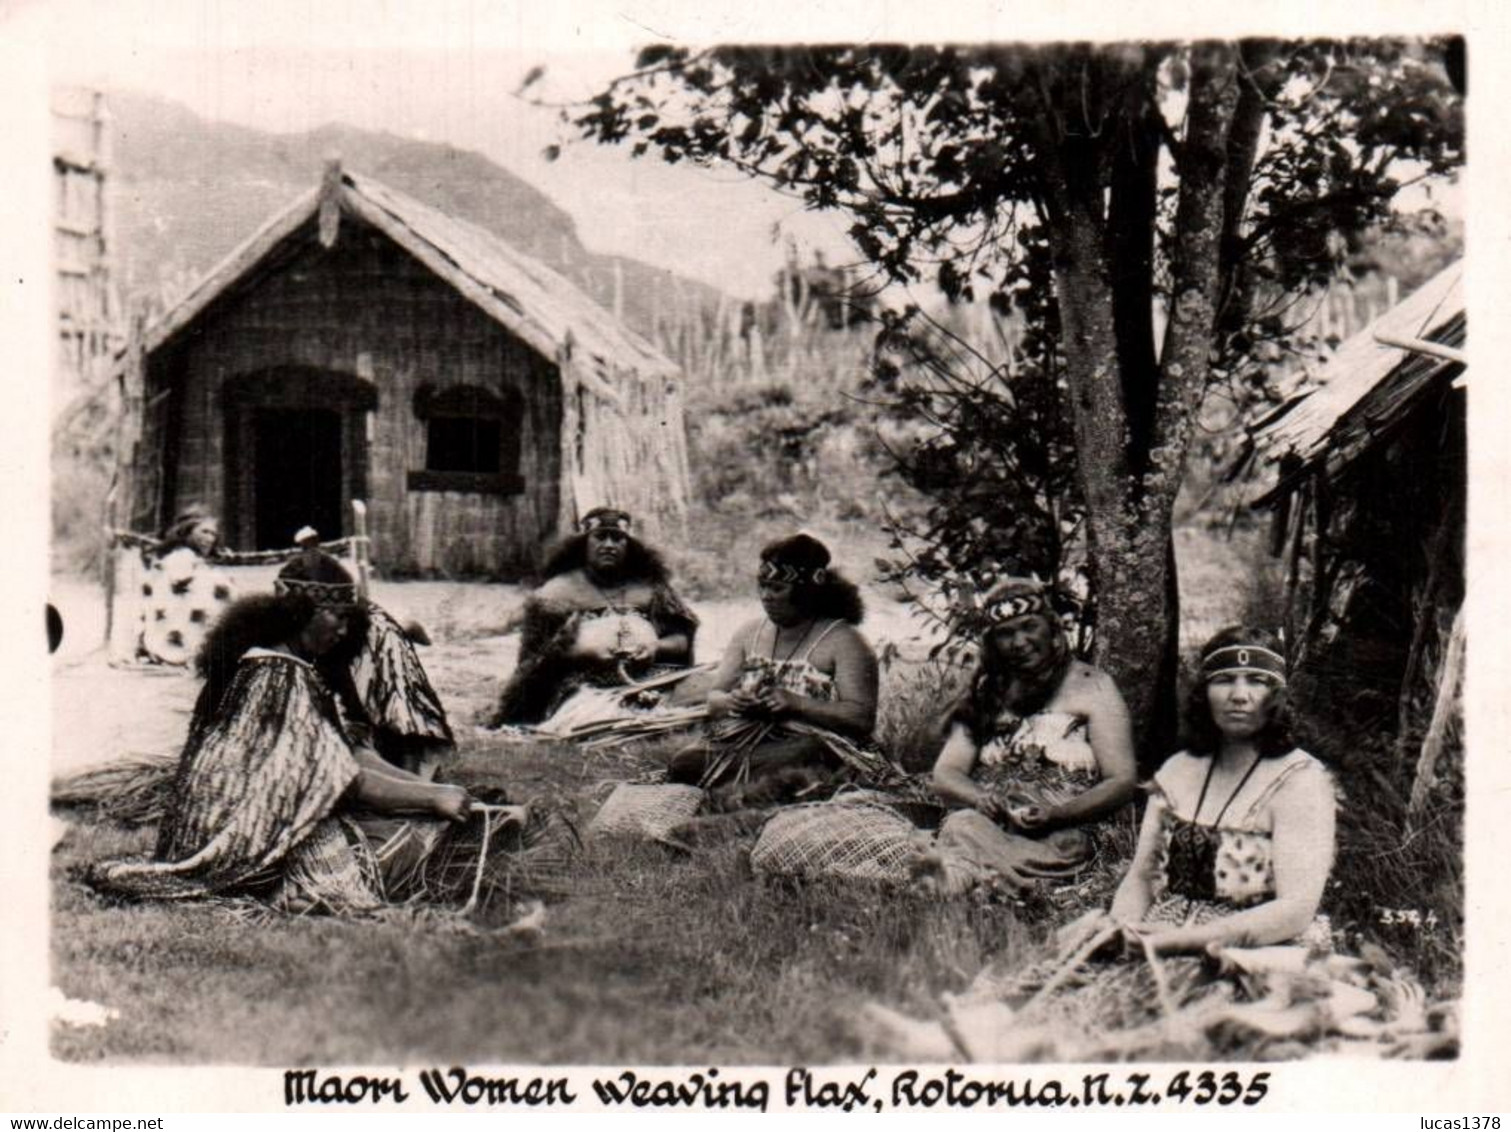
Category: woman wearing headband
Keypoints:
(386, 697)
(271, 797)
(1234, 851)
(797, 687)
(1237, 840)
(1036, 752)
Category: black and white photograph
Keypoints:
(905, 563)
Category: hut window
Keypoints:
(471, 441)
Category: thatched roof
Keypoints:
(533, 302)
(1372, 382)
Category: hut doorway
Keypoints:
(296, 451)
(296, 466)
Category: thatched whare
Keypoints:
(1369, 514)
(363, 345)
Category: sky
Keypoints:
(448, 70)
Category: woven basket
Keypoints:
(859, 841)
(648, 812)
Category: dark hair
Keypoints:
(177, 533)
(326, 569)
(641, 563)
(264, 621)
(835, 597)
(1202, 736)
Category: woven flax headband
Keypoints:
(1232, 659)
(1005, 609)
(609, 521)
(785, 572)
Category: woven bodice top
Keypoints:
(797, 674)
(1227, 856)
(1047, 753)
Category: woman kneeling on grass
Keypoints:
(1037, 751)
(272, 797)
(796, 691)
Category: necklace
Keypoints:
(1242, 782)
(776, 639)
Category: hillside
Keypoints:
(187, 191)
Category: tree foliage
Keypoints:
(1155, 211)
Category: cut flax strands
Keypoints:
(622, 732)
(134, 789)
(857, 841)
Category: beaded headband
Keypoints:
(1232, 659)
(1016, 605)
(791, 575)
(606, 520)
(321, 593)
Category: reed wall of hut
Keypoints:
(327, 374)
(1375, 568)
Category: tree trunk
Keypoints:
(1130, 477)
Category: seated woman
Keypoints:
(183, 593)
(375, 671)
(605, 617)
(1038, 750)
(272, 798)
(797, 688)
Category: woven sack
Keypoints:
(650, 812)
(858, 841)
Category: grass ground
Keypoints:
(653, 958)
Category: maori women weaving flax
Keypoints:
(605, 617)
(375, 671)
(1039, 749)
(272, 798)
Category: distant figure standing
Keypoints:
(183, 593)
(375, 670)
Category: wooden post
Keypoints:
(109, 562)
(360, 546)
(120, 501)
